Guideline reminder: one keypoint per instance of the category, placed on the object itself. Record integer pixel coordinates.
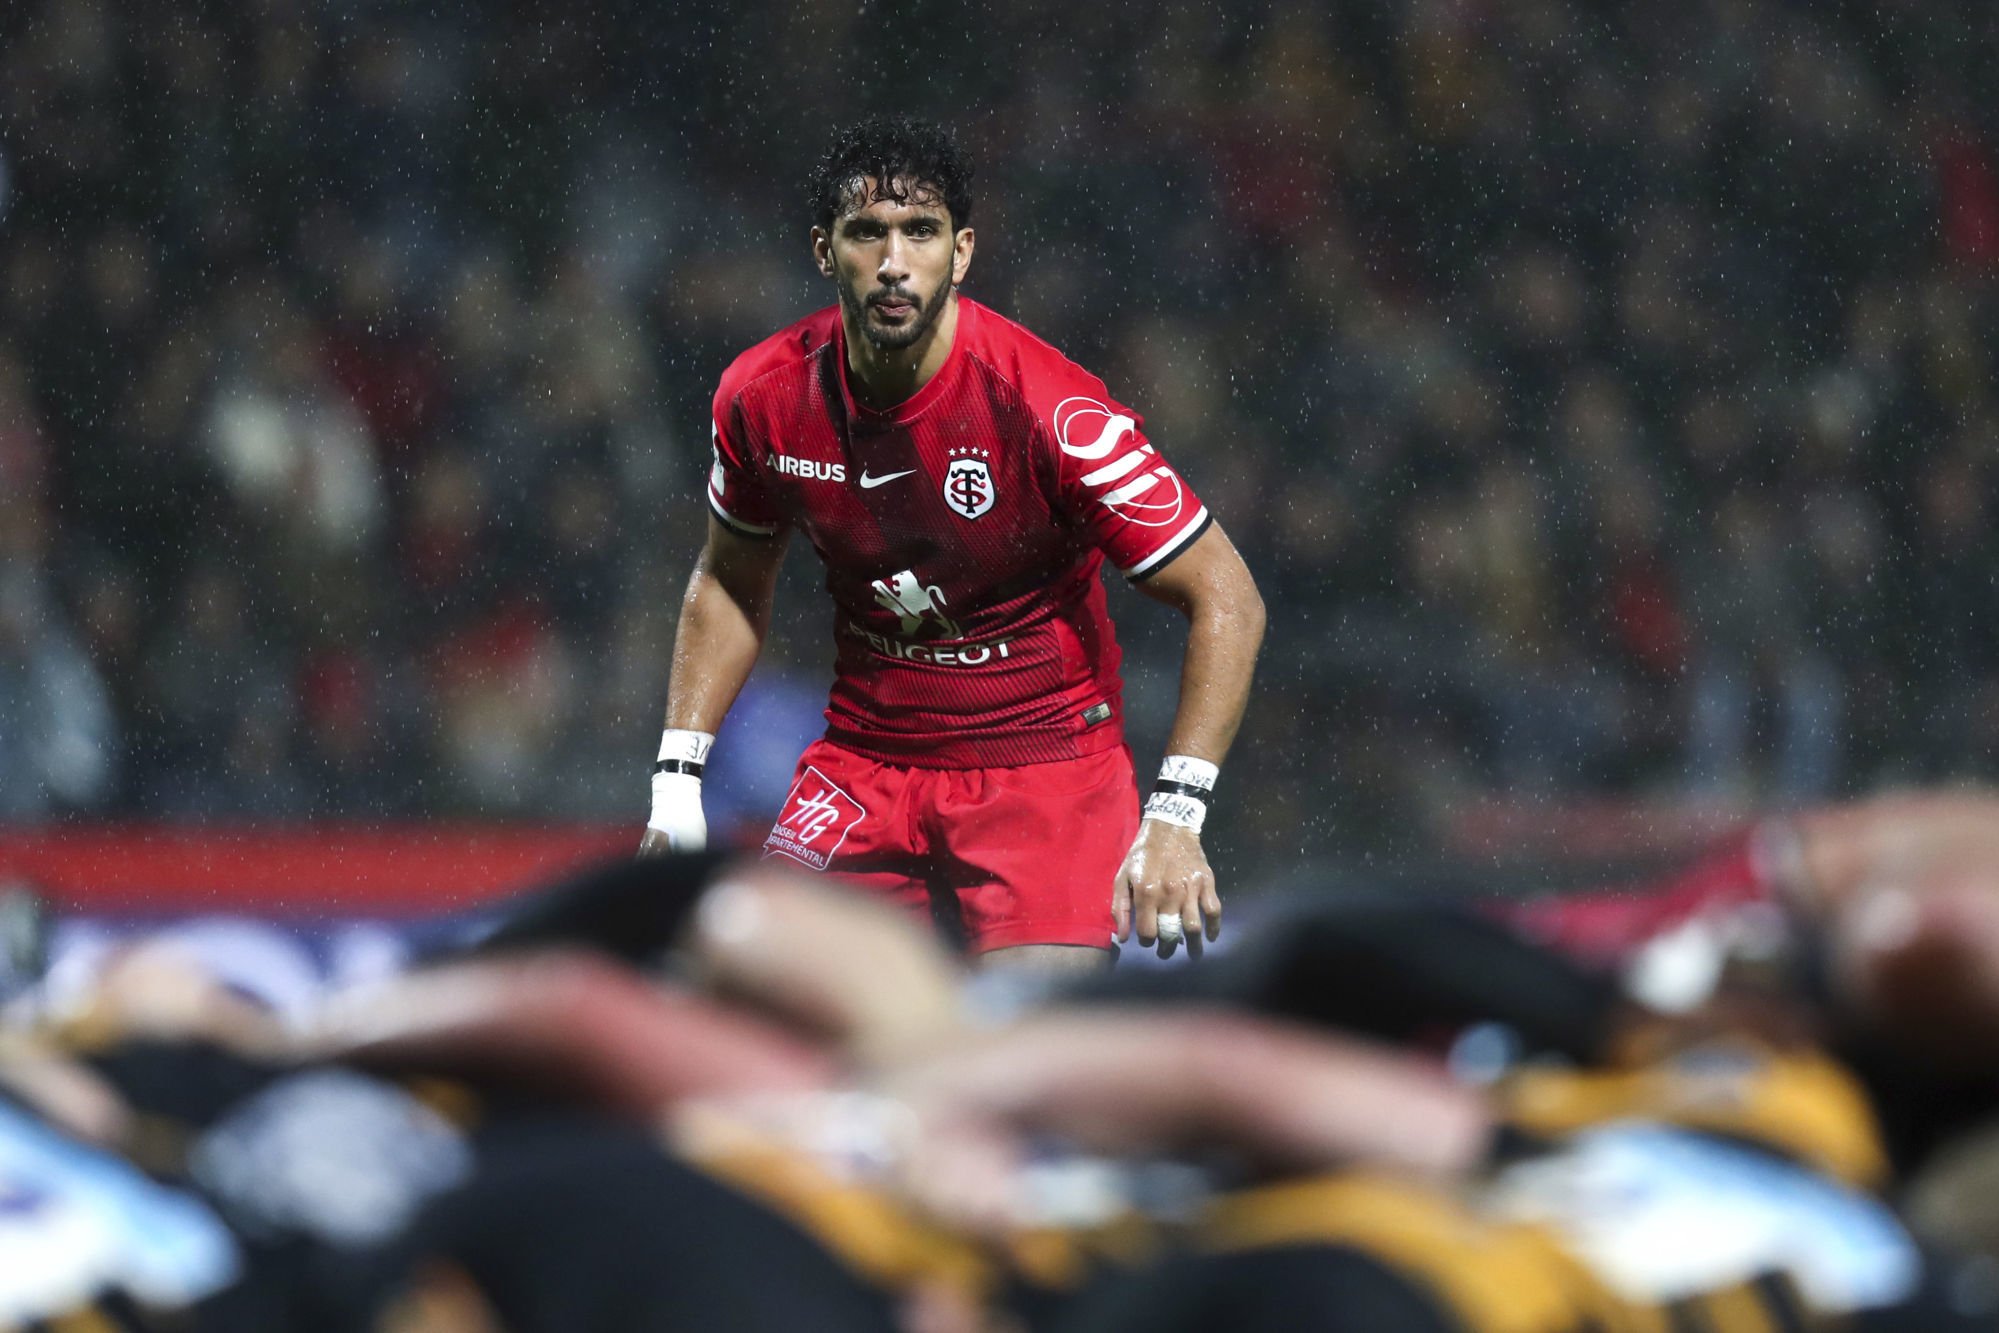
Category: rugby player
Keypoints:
(963, 483)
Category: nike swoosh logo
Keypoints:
(869, 483)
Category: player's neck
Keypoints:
(880, 379)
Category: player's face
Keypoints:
(895, 263)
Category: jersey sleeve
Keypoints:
(735, 492)
(1111, 482)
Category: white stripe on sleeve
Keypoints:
(1110, 472)
(1173, 545)
(731, 520)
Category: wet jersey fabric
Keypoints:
(963, 532)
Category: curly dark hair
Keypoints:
(901, 154)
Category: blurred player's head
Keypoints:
(892, 207)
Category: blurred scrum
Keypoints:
(1601, 392)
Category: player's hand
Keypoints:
(1166, 871)
(677, 823)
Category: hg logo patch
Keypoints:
(816, 818)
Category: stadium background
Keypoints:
(1601, 392)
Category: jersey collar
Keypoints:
(913, 406)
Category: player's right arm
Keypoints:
(723, 619)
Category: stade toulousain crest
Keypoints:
(968, 482)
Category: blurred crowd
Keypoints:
(1600, 391)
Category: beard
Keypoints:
(907, 335)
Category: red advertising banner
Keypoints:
(340, 870)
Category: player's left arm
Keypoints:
(1166, 869)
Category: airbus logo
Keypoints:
(868, 483)
(810, 470)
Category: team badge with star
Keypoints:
(968, 482)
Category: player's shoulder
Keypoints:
(1036, 369)
(788, 348)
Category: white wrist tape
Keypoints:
(676, 785)
(1180, 795)
(1185, 768)
(1168, 808)
(684, 747)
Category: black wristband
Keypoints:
(1189, 789)
(689, 766)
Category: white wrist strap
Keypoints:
(1185, 811)
(676, 786)
(683, 752)
(1180, 795)
(1186, 769)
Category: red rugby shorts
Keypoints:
(996, 856)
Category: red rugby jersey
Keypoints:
(962, 533)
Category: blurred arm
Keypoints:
(827, 961)
(568, 1024)
(1914, 841)
(1137, 1081)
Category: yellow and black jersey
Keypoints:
(1385, 1254)
(1723, 1188)
(1465, 1268)
(1683, 1177)
(1723, 1192)
(229, 1182)
(318, 1199)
